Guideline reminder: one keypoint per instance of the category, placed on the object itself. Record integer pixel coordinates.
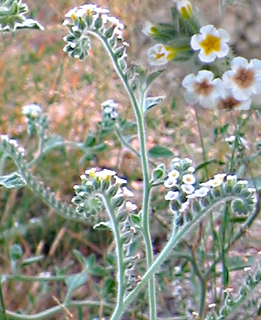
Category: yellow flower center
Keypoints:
(159, 55)
(210, 44)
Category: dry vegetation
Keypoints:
(34, 69)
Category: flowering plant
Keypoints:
(202, 217)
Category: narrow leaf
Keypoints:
(160, 152)
(12, 181)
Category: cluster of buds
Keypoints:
(89, 19)
(36, 121)
(98, 184)
(109, 113)
(12, 16)
(185, 198)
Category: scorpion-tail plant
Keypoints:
(203, 219)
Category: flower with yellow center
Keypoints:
(244, 78)
(159, 54)
(211, 43)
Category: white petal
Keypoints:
(207, 58)
(242, 94)
(205, 75)
(256, 65)
(207, 29)
(223, 35)
(224, 49)
(189, 81)
(195, 41)
(239, 62)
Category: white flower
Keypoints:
(91, 172)
(172, 195)
(227, 101)
(187, 188)
(105, 174)
(149, 29)
(173, 174)
(201, 88)
(119, 181)
(201, 192)
(184, 7)
(217, 181)
(184, 207)
(170, 183)
(31, 109)
(110, 103)
(159, 54)
(211, 43)
(244, 78)
(127, 193)
(189, 179)
(130, 206)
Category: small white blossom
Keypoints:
(130, 206)
(226, 100)
(202, 88)
(244, 78)
(127, 193)
(170, 183)
(149, 29)
(211, 43)
(32, 109)
(173, 174)
(159, 54)
(184, 7)
(189, 179)
(110, 103)
(90, 172)
(201, 192)
(119, 181)
(185, 207)
(172, 195)
(105, 174)
(187, 188)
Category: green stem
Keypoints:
(49, 313)
(2, 301)
(202, 282)
(138, 110)
(119, 253)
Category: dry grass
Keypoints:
(35, 70)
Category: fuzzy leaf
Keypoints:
(12, 181)
(152, 102)
(152, 76)
(75, 281)
(52, 142)
(160, 152)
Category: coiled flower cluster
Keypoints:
(187, 200)
(88, 20)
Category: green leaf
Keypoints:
(152, 76)
(160, 152)
(90, 140)
(12, 181)
(152, 102)
(52, 142)
(135, 218)
(75, 281)
(255, 183)
(32, 260)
